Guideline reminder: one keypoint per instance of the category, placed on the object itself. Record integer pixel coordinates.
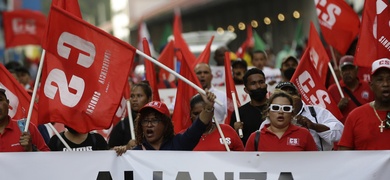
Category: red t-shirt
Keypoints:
(361, 130)
(362, 93)
(294, 139)
(9, 139)
(213, 141)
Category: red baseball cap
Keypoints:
(380, 63)
(158, 106)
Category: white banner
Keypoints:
(170, 165)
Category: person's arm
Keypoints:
(343, 148)
(208, 111)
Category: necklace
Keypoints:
(208, 132)
(380, 126)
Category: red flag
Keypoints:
(249, 40)
(72, 6)
(19, 99)
(205, 56)
(312, 92)
(84, 75)
(167, 58)
(180, 43)
(181, 114)
(23, 27)
(150, 72)
(318, 55)
(374, 38)
(230, 88)
(339, 23)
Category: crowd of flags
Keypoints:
(85, 72)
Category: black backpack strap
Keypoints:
(314, 114)
(257, 138)
(352, 96)
(93, 136)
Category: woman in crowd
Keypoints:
(119, 139)
(211, 140)
(154, 127)
(280, 134)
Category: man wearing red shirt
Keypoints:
(356, 92)
(368, 127)
(12, 139)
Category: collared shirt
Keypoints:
(219, 111)
(324, 117)
(9, 139)
(294, 139)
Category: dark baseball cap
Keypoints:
(290, 85)
(346, 61)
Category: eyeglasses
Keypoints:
(146, 122)
(284, 108)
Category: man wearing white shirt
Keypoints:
(203, 72)
(322, 124)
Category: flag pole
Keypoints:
(59, 136)
(333, 56)
(238, 119)
(131, 122)
(221, 134)
(200, 90)
(335, 79)
(34, 94)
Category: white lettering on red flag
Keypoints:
(84, 75)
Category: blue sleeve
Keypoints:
(45, 134)
(190, 138)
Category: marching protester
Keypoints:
(78, 141)
(211, 139)
(272, 75)
(119, 138)
(239, 68)
(154, 127)
(367, 126)
(325, 128)
(289, 64)
(12, 137)
(203, 72)
(280, 134)
(357, 92)
(251, 113)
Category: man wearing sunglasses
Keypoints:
(325, 128)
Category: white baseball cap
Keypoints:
(380, 63)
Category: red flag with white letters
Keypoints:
(249, 40)
(19, 99)
(317, 52)
(374, 38)
(310, 87)
(339, 23)
(230, 88)
(84, 74)
(23, 27)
